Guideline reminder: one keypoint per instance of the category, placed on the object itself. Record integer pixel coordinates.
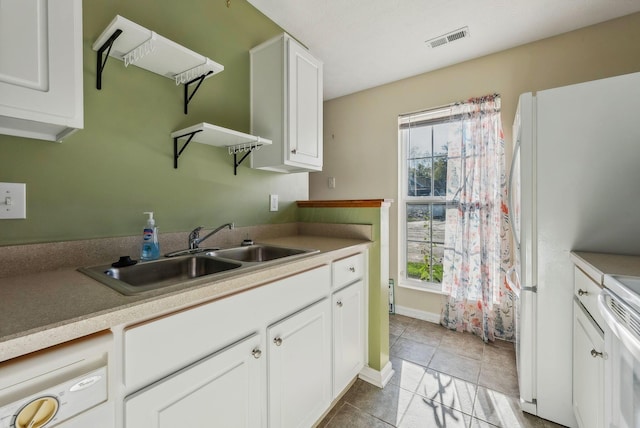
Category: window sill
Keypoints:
(410, 286)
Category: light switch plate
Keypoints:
(273, 202)
(13, 200)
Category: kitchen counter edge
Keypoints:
(50, 308)
(596, 265)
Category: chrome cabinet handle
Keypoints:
(339, 303)
(596, 354)
(256, 353)
(581, 292)
(277, 341)
(352, 269)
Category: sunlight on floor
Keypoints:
(499, 409)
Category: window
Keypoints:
(428, 188)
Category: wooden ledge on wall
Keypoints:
(348, 203)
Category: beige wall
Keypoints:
(360, 148)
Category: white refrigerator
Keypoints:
(574, 185)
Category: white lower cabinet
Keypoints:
(588, 370)
(275, 356)
(348, 335)
(224, 389)
(588, 353)
(299, 360)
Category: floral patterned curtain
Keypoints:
(477, 234)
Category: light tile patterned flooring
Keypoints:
(442, 379)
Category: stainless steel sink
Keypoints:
(169, 271)
(157, 274)
(259, 253)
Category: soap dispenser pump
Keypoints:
(150, 246)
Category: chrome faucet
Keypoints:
(194, 236)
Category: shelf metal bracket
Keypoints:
(102, 62)
(188, 97)
(176, 152)
(236, 162)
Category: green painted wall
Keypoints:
(378, 286)
(98, 181)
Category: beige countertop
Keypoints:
(596, 265)
(47, 308)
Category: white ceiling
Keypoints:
(366, 43)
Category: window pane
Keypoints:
(441, 133)
(440, 176)
(419, 177)
(438, 221)
(435, 267)
(425, 241)
(419, 142)
(455, 173)
(418, 225)
(416, 255)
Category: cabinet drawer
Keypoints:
(164, 345)
(587, 292)
(347, 270)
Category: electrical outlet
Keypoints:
(331, 183)
(273, 202)
(13, 200)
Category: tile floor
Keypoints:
(442, 379)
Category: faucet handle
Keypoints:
(195, 232)
(194, 237)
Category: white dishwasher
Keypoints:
(65, 386)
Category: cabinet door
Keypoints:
(305, 107)
(348, 335)
(225, 390)
(40, 67)
(300, 367)
(588, 370)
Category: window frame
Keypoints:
(423, 118)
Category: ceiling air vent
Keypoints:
(445, 39)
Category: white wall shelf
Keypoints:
(205, 133)
(136, 45)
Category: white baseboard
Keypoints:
(415, 313)
(375, 377)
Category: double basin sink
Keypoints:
(169, 271)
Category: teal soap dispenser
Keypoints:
(150, 246)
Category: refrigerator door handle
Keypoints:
(516, 150)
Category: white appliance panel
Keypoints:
(582, 190)
(522, 214)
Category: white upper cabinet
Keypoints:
(41, 68)
(286, 106)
